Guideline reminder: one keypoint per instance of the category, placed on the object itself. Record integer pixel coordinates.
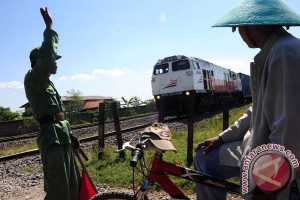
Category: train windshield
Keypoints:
(180, 65)
(161, 69)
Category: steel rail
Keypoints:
(82, 140)
(33, 135)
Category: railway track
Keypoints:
(113, 133)
(82, 140)
(33, 135)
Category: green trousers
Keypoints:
(61, 174)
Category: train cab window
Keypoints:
(161, 69)
(180, 65)
(211, 72)
(233, 76)
(196, 65)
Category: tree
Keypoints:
(75, 101)
(27, 112)
(109, 101)
(149, 102)
(126, 103)
(132, 102)
(136, 101)
(6, 114)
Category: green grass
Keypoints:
(28, 146)
(117, 173)
(18, 148)
(32, 170)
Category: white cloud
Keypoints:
(162, 18)
(63, 78)
(149, 71)
(85, 77)
(234, 65)
(12, 84)
(112, 72)
(98, 72)
(227, 62)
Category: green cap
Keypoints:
(259, 12)
(34, 55)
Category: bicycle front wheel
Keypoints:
(114, 195)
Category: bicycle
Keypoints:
(159, 174)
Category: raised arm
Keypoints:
(47, 17)
(47, 52)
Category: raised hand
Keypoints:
(47, 17)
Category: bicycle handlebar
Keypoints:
(137, 154)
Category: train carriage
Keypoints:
(177, 77)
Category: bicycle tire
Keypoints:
(114, 195)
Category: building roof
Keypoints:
(86, 98)
(90, 101)
(91, 104)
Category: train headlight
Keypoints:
(187, 93)
(157, 97)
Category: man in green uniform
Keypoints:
(61, 175)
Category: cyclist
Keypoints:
(275, 84)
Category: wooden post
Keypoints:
(190, 138)
(101, 128)
(117, 128)
(161, 109)
(225, 114)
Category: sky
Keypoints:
(109, 47)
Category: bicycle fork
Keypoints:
(142, 190)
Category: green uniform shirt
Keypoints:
(42, 95)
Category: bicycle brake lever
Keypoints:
(126, 145)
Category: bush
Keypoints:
(30, 124)
(6, 114)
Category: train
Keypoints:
(177, 78)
